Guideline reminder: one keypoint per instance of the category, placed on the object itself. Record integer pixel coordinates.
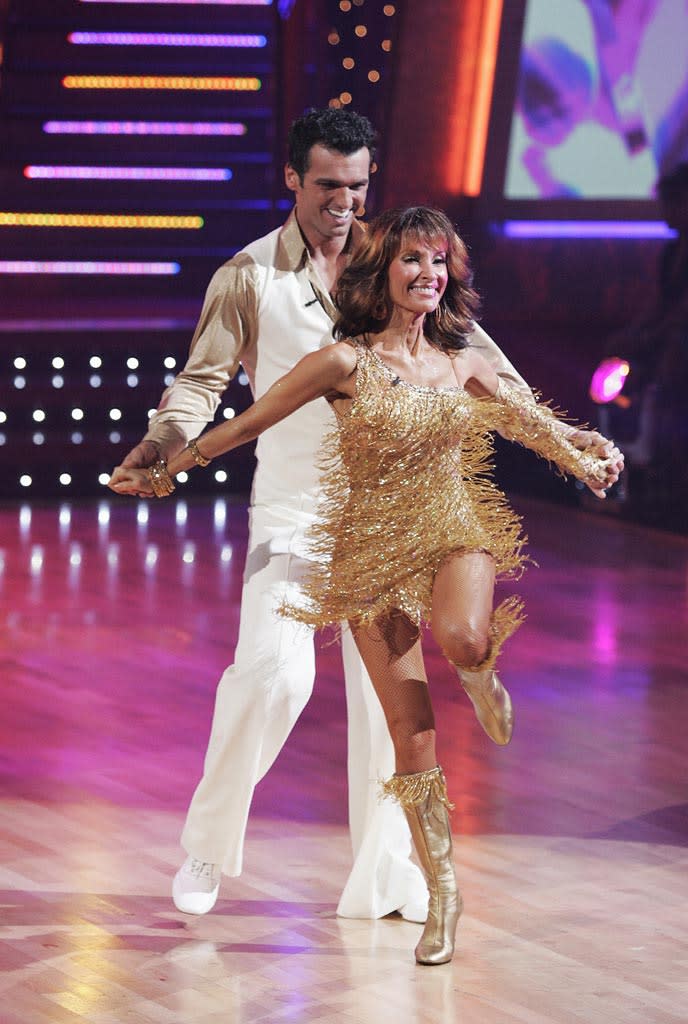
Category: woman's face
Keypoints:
(417, 276)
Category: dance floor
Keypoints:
(571, 844)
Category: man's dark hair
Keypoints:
(343, 131)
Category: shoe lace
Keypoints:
(201, 868)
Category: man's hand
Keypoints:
(142, 456)
(594, 442)
(128, 477)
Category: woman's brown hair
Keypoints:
(362, 294)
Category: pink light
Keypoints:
(164, 39)
(130, 173)
(94, 267)
(608, 380)
(144, 128)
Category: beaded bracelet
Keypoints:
(199, 459)
(161, 481)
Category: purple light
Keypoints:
(586, 229)
(189, 3)
(144, 128)
(73, 267)
(130, 173)
(608, 380)
(164, 39)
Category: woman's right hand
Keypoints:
(131, 481)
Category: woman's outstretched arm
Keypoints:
(538, 427)
(329, 370)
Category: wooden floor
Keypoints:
(571, 845)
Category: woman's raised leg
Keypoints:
(470, 635)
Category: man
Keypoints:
(265, 309)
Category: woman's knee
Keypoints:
(466, 644)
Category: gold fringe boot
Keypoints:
(423, 797)
(487, 693)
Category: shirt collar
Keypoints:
(294, 251)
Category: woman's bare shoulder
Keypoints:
(343, 356)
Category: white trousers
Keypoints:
(259, 698)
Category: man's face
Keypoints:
(334, 189)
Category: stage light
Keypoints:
(57, 381)
(103, 478)
(77, 414)
(132, 363)
(187, 3)
(132, 380)
(144, 128)
(114, 437)
(65, 480)
(38, 438)
(182, 478)
(229, 413)
(77, 438)
(3, 416)
(19, 383)
(25, 480)
(243, 41)
(96, 362)
(242, 378)
(148, 222)
(608, 380)
(69, 267)
(175, 83)
(3, 439)
(115, 414)
(221, 476)
(586, 229)
(226, 553)
(168, 379)
(20, 363)
(58, 363)
(68, 173)
(95, 381)
(169, 362)
(39, 415)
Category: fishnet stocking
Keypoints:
(392, 654)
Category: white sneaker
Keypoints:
(195, 886)
(415, 910)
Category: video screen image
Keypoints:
(601, 110)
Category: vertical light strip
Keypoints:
(482, 97)
(479, 37)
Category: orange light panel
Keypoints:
(179, 82)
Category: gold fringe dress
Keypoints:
(406, 481)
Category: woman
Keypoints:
(412, 527)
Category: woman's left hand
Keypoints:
(596, 444)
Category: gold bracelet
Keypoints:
(161, 481)
(199, 459)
